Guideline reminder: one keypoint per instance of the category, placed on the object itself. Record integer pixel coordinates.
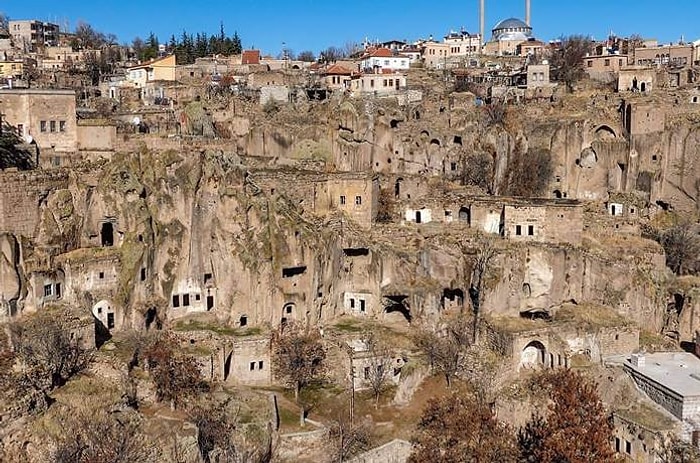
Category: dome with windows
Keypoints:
(512, 29)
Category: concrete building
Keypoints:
(463, 43)
(383, 59)
(32, 35)
(11, 68)
(160, 69)
(672, 380)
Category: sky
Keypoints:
(316, 24)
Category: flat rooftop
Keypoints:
(678, 371)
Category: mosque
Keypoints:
(511, 37)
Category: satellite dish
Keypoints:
(137, 120)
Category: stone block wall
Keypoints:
(20, 197)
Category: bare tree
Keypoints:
(4, 22)
(348, 438)
(104, 435)
(379, 365)
(332, 54)
(298, 359)
(477, 170)
(675, 450)
(46, 354)
(485, 253)
(527, 173)
(682, 247)
(306, 56)
(460, 428)
(567, 60)
(495, 113)
(177, 376)
(220, 438)
(445, 347)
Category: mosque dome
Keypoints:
(512, 29)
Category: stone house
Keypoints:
(385, 84)
(636, 79)
(46, 116)
(663, 55)
(604, 67)
(435, 55)
(337, 77)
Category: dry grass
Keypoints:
(589, 316)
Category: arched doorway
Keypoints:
(464, 215)
(533, 355)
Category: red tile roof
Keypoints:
(381, 53)
(337, 70)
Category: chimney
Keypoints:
(638, 360)
(527, 12)
(481, 21)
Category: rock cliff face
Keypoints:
(170, 233)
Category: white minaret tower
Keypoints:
(527, 12)
(481, 21)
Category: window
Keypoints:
(143, 274)
(288, 309)
(371, 83)
(102, 275)
(42, 126)
(590, 63)
(518, 230)
(453, 166)
(607, 62)
(197, 297)
(252, 366)
(243, 320)
(620, 63)
(58, 290)
(530, 230)
(362, 305)
(366, 372)
(99, 310)
(185, 300)
(48, 290)
(628, 447)
(110, 321)
(61, 126)
(20, 128)
(352, 303)
(260, 365)
(358, 200)
(342, 200)
(176, 300)
(52, 126)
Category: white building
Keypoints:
(383, 58)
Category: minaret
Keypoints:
(481, 21)
(527, 12)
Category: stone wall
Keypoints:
(96, 137)
(663, 396)
(396, 451)
(21, 194)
